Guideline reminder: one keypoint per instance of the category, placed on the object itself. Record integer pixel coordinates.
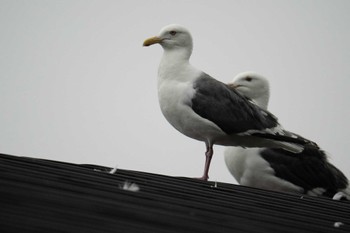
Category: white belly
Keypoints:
(250, 169)
(175, 103)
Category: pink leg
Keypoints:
(208, 157)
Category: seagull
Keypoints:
(206, 109)
(308, 172)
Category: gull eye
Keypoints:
(248, 79)
(173, 33)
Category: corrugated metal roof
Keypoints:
(47, 196)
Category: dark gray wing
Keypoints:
(309, 169)
(288, 137)
(232, 112)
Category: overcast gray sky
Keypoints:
(76, 85)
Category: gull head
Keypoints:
(172, 37)
(252, 85)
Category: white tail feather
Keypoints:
(345, 193)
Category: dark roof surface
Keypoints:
(47, 196)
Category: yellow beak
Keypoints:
(151, 41)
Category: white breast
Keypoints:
(175, 91)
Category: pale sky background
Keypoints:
(76, 85)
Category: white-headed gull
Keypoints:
(205, 109)
(308, 172)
